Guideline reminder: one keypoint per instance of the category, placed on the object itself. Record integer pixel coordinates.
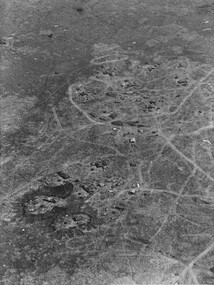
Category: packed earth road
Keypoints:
(107, 142)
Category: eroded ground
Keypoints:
(107, 136)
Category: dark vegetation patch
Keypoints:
(46, 219)
(47, 202)
(123, 193)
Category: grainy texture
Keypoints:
(107, 136)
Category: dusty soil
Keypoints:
(107, 168)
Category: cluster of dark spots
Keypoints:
(70, 222)
(132, 123)
(79, 10)
(47, 201)
(100, 163)
(47, 218)
(61, 191)
(33, 208)
(117, 123)
(57, 207)
(50, 35)
(113, 115)
(63, 175)
(57, 185)
(3, 41)
(182, 81)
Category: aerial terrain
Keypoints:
(107, 142)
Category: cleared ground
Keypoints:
(107, 136)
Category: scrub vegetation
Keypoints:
(108, 175)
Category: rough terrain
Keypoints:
(107, 142)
